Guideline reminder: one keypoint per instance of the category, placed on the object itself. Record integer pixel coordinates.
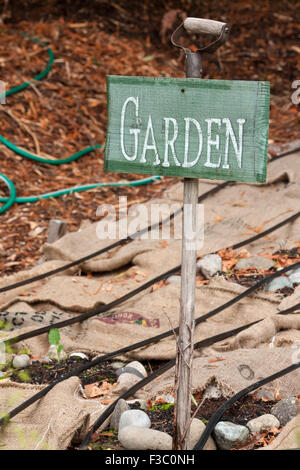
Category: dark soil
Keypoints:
(252, 277)
(163, 420)
(293, 253)
(239, 413)
(161, 415)
(46, 372)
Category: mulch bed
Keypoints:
(67, 111)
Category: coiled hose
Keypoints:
(12, 198)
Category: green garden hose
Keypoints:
(25, 154)
(9, 201)
(61, 192)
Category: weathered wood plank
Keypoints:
(185, 337)
(216, 129)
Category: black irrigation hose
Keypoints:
(114, 303)
(110, 247)
(284, 154)
(267, 231)
(75, 372)
(204, 343)
(219, 413)
(135, 235)
(161, 370)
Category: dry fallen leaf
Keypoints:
(217, 359)
(93, 390)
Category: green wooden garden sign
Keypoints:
(215, 129)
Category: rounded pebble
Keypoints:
(135, 438)
(229, 435)
(196, 430)
(166, 398)
(80, 355)
(174, 279)
(286, 409)
(278, 283)
(136, 418)
(120, 408)
(126, 381)
(209, 265)
(264, 422)
(21, 361)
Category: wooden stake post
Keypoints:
(215, 129)
(185, 341)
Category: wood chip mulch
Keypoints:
(66, 111)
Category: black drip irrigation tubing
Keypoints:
(129, 295)
(145, 230)
(219, 413)
(204, 343)
(110, 247)
(284, 154)
(75, 372)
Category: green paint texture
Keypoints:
(192, 128)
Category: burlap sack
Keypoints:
(232, 371)
(53, 422)
(232, 215)
(151, 313)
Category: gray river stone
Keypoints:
(229, 435)
(266, 421)
(258, 262)
(135, 438)
(120, 408)
(174, 279)
(21, 361)
(209, 265)
(294, 276)
(286, 409)
(278, 283)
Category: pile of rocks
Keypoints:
(129, 422)
(135, 433)
(228, 435)
(210, 265)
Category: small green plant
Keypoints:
(163, 406)
(54, 339)
(193, 400)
